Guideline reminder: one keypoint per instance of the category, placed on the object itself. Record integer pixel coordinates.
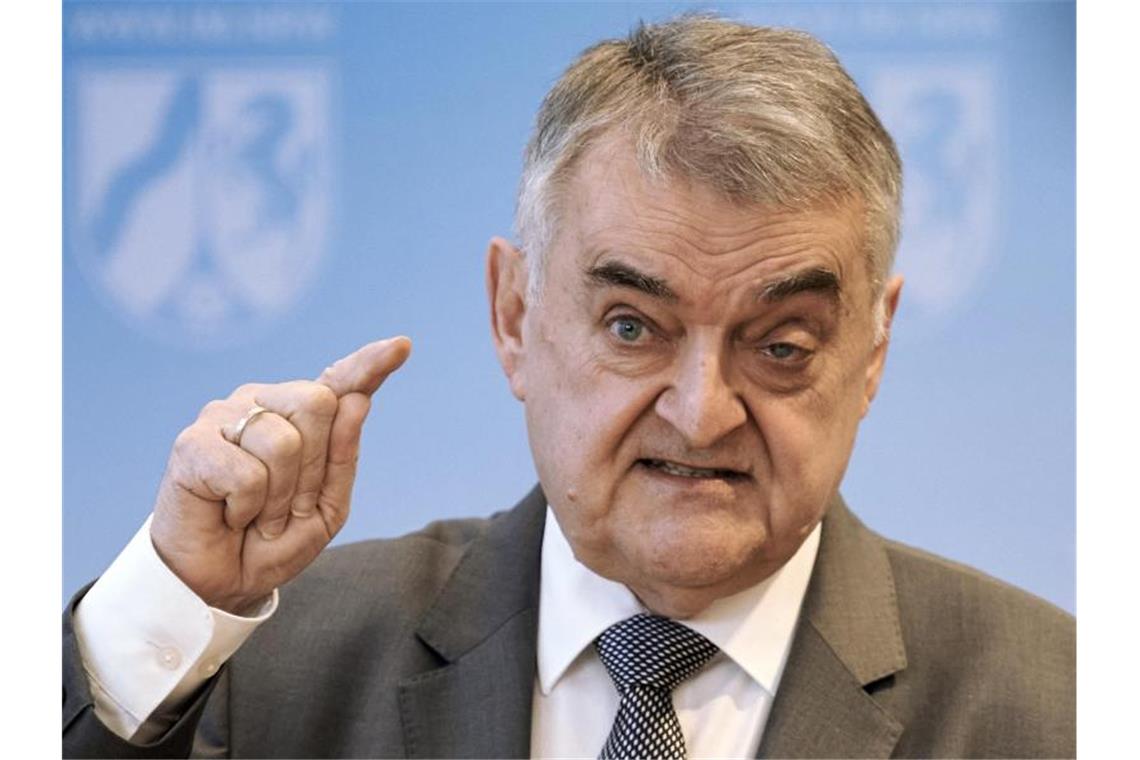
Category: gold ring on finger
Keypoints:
(243, 423)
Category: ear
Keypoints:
(890, 295)
(506, 291)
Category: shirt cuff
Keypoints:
(148, 642)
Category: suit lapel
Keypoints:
(483, 626)
(848, 637)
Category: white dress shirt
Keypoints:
(148, 642)
(722, 709)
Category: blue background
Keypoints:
(969, 450)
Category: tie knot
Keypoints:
(650, 650)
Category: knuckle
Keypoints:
(320, 400)
(246, 390)
(286, 443)
(215, 408)
(186, 444)
(251, 480)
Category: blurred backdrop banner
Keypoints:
(200, 182)
(252, 190)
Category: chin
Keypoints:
(700, 556)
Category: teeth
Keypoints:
(686, 472)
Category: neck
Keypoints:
(682, 602)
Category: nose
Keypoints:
(699, 402)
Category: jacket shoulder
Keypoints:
(994, 663)
(940, 589)
(385, 577)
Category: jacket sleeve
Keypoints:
(84, 735)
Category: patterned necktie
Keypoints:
(647, 656)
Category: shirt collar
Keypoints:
(753, 627)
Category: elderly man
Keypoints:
(696, 320)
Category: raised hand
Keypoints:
(243, 508)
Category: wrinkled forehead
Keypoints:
(612, 202)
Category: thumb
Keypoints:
(366, 368)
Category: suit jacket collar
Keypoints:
(851, 599)
(483, 626)
(849, 637)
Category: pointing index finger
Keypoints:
(366, 368)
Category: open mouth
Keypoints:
(683, 471)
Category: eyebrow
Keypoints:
(624, 276)
(814, 280)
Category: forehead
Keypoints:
(611, 208)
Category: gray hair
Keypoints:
(761, 115)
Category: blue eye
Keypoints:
(627, 329)
(782, 351)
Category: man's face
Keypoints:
(693, 375)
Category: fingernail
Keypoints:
(270, 533)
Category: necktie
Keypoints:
(647, 656)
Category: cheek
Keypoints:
(809, 440)
(579, 415)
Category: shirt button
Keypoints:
(210, 668)
(169, 658)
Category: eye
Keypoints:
(785, 352)
(627, 329)
(781, 350)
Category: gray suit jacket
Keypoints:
(424, 646)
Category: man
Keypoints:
(696, 320)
